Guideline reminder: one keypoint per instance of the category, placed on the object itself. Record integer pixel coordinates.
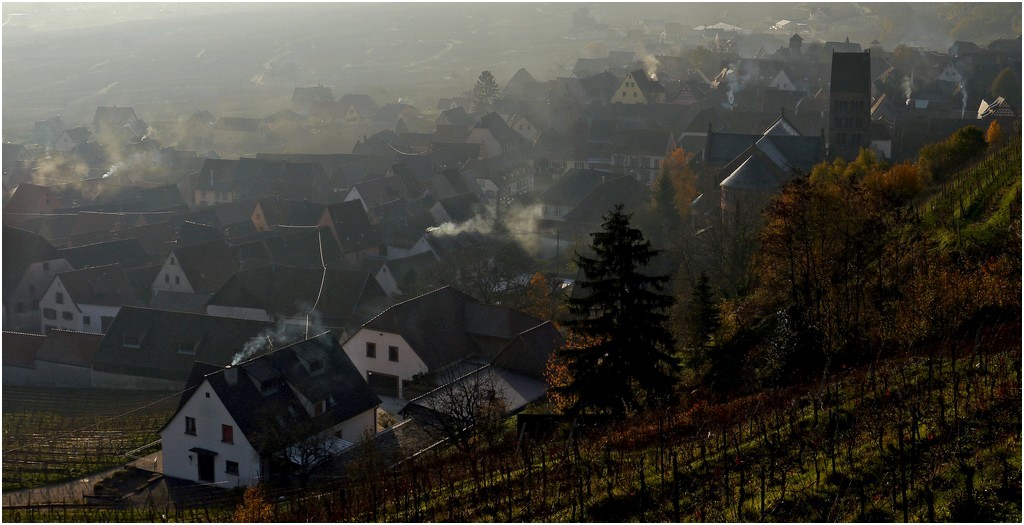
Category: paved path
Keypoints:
(74, 491)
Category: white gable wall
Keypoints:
(209, 414)
(408, 364)
(172, 277)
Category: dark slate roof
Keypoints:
(69, 348)
(20, 349)
(647, 86)
(377, 191)
(218, 175)
(207, 266)
(573, 186)
(352, 226)
(291, 246)
(289, 291)
(440, 326)
(155, 238)
(599, 202)
(406, 268)
(755, 173)
(129, 253)
(21, 249)
(528, 353)
(178, 301)
(723, 147)
(79, 135)
(338, 383)
(391, 112)
(190, 233)
(363, 103)
(100, 285)
(166, 338)
(27, 196)
(461, 207)
(499, 129)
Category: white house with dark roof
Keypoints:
(199, 268)
(431, 333)
(86, 300)
(300, 404)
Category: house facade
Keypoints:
(85, 300)
(298, 405)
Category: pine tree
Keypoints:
(485, 92)
(702, 319)
(627, 362)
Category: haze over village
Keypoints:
(530, 262)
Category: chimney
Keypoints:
(231, 375)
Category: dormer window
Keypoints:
(131, 341)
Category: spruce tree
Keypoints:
(702, 319)
(628, 362)
(485, 92)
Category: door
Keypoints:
(383, 384)
(205, 468)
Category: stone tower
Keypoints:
(849, 104)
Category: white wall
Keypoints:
(408, 364)
(357, 427)
(209, 414)
(49, 301)
(33, 284)
(96, 314)
(386, 280)
(172, 277)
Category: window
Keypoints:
(177, 279)
(371, 350)
(393, 353)
(190, 425)
(227, 433)
(231, 467)
(130, 341)
(172, 260)
(86, 319)
(60, 298)
(49, 313)
(167, 278)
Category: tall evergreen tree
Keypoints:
(485, 92)
(702, 320)
(628, 361)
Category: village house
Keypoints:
(86, 300)
(293, 408)
(430, 334)
(196, 269)
(29, 265)
(495, 136)
(28, 201)
(334, 299)
(149, 349)
(502, 387)
(639, 88)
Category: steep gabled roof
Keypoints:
(573, 186)
(207, 265)
(257, 411)
(69, 348)
(21, 249)
(20, 349)
(499, 129)
(102, 285)
(170, 342)
(353, 228)
(433, 324)
(528, 353)
(286, 290)
(755, 173)
(623, 190)
(129, 253)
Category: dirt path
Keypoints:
(74, 491)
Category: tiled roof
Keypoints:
(100, 285)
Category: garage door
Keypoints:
(383, 384)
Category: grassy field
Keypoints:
(52, 435)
